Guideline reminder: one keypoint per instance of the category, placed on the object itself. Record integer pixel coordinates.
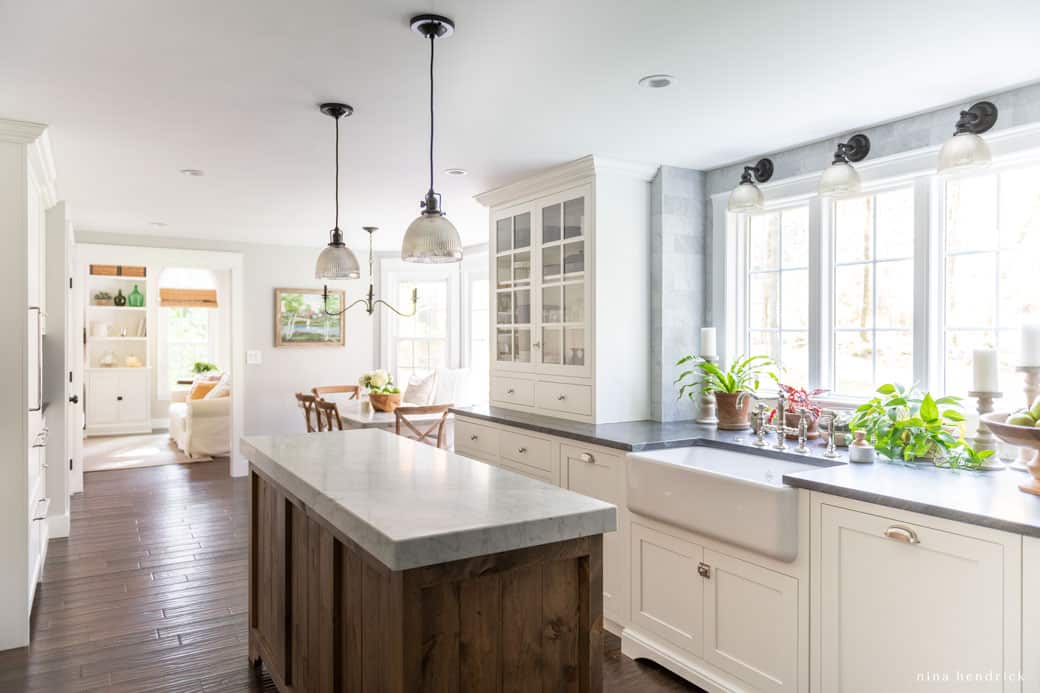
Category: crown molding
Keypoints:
(20, 131)
(565, 175)
(41, 161)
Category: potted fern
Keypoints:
(743, 375)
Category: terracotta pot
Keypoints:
(731, 417)
(791, 421)
(385, 402)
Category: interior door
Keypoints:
(74, 402)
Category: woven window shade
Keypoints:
(188, 298)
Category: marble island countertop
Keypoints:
(412, 505)
(989, 499)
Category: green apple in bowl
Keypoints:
(1034, 410)
(1021, 418)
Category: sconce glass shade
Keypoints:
(337, 261)
(746, 197)
(962, 152)
(431, 238)
(839, 180)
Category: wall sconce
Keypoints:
(746, 197)
(966, 150)
(841, 178)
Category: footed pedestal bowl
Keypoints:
(1022, 436)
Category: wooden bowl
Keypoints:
(1023, 437)
(385, 402)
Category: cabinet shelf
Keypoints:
(117, 339)
(131, 308)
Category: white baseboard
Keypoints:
(636, 645)
(58, 526)
(160, 425)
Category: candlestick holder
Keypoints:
(1032, 389)
(708, 415)
(984, 438)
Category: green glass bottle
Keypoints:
(135, 298)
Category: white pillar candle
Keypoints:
(984, 363)
(1029, 355)
(708, 347)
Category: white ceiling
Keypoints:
(135, 90)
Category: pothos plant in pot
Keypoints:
(904, 424)
(743, 375)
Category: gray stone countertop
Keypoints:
(412, 505)
(989, 499)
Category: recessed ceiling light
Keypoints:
(657, 81)
(456, 171)
(196, 172)
(157, 224)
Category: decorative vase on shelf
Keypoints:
(732, 411)
(107, 360)
(385, 401)
(135, 298)
(119, 299)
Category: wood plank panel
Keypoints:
(480, 655)
(561, 607)
(439, 606)
(522, 637)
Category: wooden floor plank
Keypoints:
(149, 593)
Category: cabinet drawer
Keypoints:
(575, 399)
(473, 437)
(532, 472)
(527, 450)
(512, 390)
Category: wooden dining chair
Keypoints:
(309, 404)
(401, 415)
(330, 412)
(353, 390)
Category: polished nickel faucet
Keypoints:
(758, 417)
(782, 429)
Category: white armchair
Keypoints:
(200, 427)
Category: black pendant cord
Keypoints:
(432, 39)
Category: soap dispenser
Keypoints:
(861, 451)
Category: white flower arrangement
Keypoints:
(378, 381)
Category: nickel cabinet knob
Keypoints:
(560, 398)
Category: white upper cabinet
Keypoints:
(582, 342)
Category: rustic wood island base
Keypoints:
(328, 615)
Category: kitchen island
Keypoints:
(381, 564)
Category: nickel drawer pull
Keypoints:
(42, 514)
(704, 570)
(560, 398)
(903, 534)
(474, 436)
(510, 391)
(522, 451)
(587, 458)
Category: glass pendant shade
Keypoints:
(839, 180)
(337, 261)
(746, 197)
(963, 152)
(431, 238)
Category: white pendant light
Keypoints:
(431, 238)
(337, 261)
(966, 151)
(746, 197)
(841, 178)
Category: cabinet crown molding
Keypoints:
(564, 175)
(20, 131)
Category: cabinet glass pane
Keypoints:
(522, 345)
(574, 346)
(550, 224)
(552, 345)
(551, 307)
(504, 235)
(551, 261)
(574, 257)
(522, 307)
(504, 313)
(522, 230)
(573, 217)
(574, 303)
(504, 341)
(503, 271)
(522, 267)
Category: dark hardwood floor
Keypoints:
(149, 593)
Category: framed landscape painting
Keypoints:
(299, 319)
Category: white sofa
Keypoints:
(200, 427)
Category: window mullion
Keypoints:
(821, 313)
(929, 225)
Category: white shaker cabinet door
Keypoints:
(1031, 614)
(906, 607)
(667, 590)
(751, 623)
(103, 407)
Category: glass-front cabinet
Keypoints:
(541, 286)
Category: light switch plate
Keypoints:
(254, 357)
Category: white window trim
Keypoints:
(1009, 147)
(162, 361)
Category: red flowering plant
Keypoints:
(800, 398)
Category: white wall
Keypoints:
(269, 403)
